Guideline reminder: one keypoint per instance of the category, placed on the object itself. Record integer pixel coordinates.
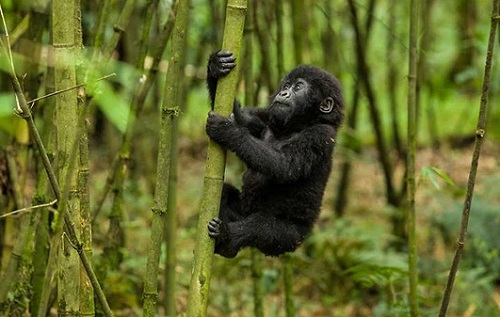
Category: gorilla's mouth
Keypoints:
(283, 105)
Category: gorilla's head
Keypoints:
(306, 95)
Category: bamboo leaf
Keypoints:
(443, 176)
(113, 105)
(427, 172)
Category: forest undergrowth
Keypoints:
(347, 267)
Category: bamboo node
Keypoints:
(159, 211)
(153, 296)
(172, 111)
(495, 17)
(480, 133)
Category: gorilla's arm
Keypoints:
(220, 64)
(254, 119)
(286, 160)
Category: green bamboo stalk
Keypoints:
(101, 28)
(288, 281)
(66, 114)
(480, 132)
(216, 161)
(171, 221)
(41, 253)
(412, 148)
(86, 291)
(115, 237)
(119, 28)
(41, 238)
(169, 111)
(23, 111)
(171, 226)
(138, 102)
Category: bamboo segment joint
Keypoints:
(214, 178)
(172, 111)
(237, 8)
(480, 133)
(159, 211)
(495, 17)
(153, 296)
(63, 45)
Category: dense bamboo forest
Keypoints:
(122, 120)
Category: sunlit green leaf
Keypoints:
(113, 105)
(443, 176)
(427, 172)
(431, 173)
(7, 104)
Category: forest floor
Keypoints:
(367, 208)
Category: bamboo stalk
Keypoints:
(169, 111)
(288, 282)
(138, 103)
(24, 112)
(480, 132)
(412, 148)
(216, 161)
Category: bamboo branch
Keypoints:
(480, 132)
(12, 213)
(412, 148)
(67, 89)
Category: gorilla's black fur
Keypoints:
(287, 148)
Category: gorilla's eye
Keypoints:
(300, 84)
(286, 87)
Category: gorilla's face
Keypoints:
(290, 102)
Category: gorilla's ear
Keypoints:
(326, 105)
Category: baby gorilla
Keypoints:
(287, 148)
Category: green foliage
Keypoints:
(481, 249)
(8, 123)
(113, 105)
(431, 173)
(355, 264)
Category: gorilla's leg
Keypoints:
(229, 211)
(230, 205)
(270, 235)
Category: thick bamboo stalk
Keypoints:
(216, 161)
(66, 114)
(23, 110)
